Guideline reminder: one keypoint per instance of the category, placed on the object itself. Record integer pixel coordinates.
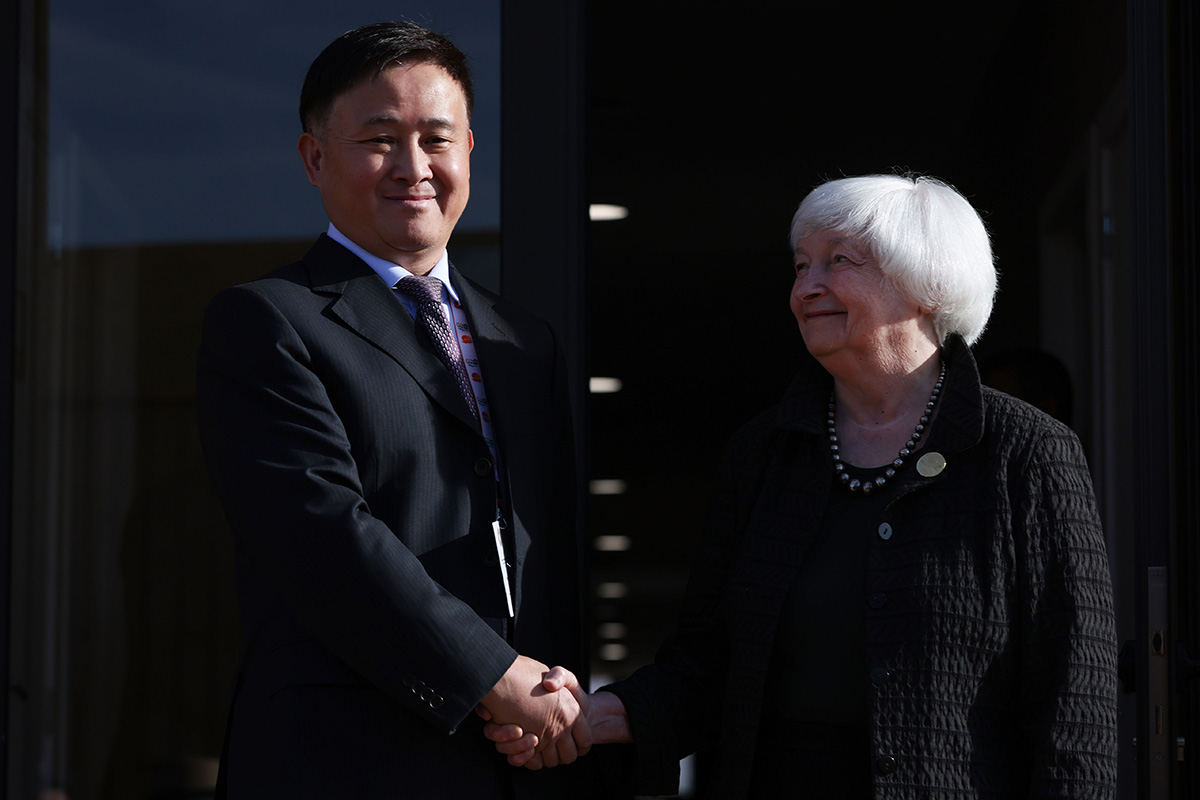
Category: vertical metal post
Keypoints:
(543, 202)
(14, 52)
(1183, 82)
(1152, 472)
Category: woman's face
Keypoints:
(846, 307)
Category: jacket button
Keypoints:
(885, 531)
(885, 765)
(489, 557)
(880, 676)
(877, 601)
(483, 467)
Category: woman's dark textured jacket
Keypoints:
(991, 654)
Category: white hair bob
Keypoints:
(929, 241)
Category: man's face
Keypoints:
(393, 163)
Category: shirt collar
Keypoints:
(390, 273)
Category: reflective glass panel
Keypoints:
(168, 131)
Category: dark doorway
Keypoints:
(709, 123)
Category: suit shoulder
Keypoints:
(503, 306)
(460, 279)
(514, 314)
(281, 294)
(281, 279)
(300, 276)
(273, 288)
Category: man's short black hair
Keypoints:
(367, 52)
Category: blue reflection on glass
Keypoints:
(176, 121)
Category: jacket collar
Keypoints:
(361, 300)
(957, 426)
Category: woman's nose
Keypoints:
(808, 285)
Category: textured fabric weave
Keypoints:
(426, 292)
(993, 648)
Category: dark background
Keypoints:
(710, 124)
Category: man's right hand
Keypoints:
(553, 722)
(606, 718)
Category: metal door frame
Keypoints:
(1163, 82)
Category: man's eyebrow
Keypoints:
(431, 122)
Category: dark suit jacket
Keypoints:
(361, 495)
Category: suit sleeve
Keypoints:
(1067, 643)
(282, 464)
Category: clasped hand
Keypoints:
(602, 715)
(532, 720)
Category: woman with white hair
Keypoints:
(904, 591)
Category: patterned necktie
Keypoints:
(426, 292)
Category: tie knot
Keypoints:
(421, 288)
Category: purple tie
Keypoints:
(426, 292)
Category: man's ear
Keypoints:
(470, 140)
(312, 155)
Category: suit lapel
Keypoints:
(367, 305)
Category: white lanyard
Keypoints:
(466, 346)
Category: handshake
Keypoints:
(554, 722)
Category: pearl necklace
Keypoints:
(879, 481)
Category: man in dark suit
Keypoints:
(403, 509)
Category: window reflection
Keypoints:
(172, 123)
(170, 172)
